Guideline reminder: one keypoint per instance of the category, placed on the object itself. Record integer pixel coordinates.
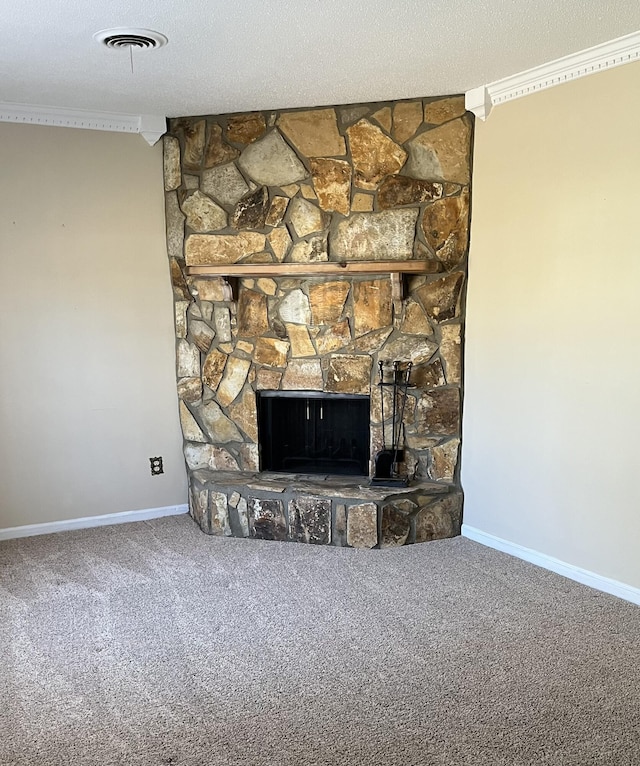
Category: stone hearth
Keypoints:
(322, 509)
(371, 182)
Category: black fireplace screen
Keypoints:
(313, 432)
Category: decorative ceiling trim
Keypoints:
(607, 55)
(478, 101)
(150, 127)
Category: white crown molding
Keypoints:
(584, 576)
(151, 127)
(478, 101)
(607, 55)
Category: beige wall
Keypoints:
(552, 398)
(86, 327)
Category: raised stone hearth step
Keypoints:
(325, 510)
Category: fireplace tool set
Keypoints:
(386, 460)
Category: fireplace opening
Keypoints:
(313, 432)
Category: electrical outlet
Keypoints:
(156, 466)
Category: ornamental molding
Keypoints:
(613, 53)
(480, 100)
(150, 127)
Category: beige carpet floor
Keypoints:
(151, 644)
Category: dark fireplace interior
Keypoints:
(314, 432)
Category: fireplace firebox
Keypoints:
(313, 432)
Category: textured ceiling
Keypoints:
(265, 54)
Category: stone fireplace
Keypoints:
(256, 206)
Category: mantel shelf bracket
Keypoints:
(397, 287)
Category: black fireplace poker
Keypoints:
(386, 472)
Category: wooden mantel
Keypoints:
(395, 269)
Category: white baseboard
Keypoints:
(91, 521)
(604, 584)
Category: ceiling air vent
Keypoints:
(125, 37)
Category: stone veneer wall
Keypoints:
(384, 181)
